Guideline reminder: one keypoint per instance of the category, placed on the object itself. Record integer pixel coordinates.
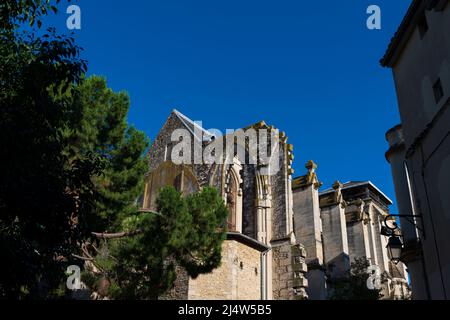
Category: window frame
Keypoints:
(438, 91)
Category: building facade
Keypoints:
(277, 226)
(419, 153)
(261, 258)
(347, 220)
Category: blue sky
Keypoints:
(308, 67)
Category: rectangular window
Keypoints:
(438, 91)
(423, 26)
(168, 152)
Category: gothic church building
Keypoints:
(285, 240)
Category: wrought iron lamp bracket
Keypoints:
(395, 225)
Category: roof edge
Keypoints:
(402, 34)
(252, 243)
(369, 183)
(407, 27)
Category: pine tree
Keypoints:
(185, 232)
(142, 262)
(103, 130)
(72, 166)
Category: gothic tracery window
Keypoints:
(168, 174)
(234, 197)
(231, 202)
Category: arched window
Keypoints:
(168, 174)
(233, 197)
(232, 193)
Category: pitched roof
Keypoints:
(194, 127)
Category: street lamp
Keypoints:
(394, 246)
(391, 230)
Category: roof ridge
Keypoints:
(191, 125)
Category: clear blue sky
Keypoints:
(308, 67)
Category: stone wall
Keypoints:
(307, 223)
(289, 269)
(279, 197)
(335, 240)
(239, 276)
(308, 232)
(180, 289)
(358, 224)
(358, 240)
(157, 150)
(249, 194)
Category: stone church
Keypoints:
(285, 240)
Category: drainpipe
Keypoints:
(264, 275)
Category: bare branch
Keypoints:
(116, 235)
(82, 258)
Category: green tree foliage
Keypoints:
(42, 193)
(185, 232)
(15, 12)
(354, 287)
(103, 130)
(71, 165)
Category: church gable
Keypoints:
(159, 150)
